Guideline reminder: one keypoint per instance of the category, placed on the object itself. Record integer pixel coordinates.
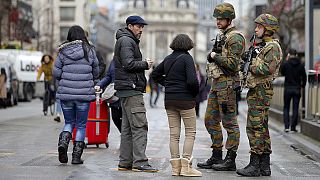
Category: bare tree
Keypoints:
(290, 14)
(4, 9)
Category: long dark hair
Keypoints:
(77, 33)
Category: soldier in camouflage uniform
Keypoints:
(262, 71)
(223, 68)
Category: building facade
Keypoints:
(53, 18)
(16, 21)
(166, 19)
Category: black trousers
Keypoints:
(116, 113)
(293, 94)
(47, 86)
(197, 108)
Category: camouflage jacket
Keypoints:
(265, 67)
(229, 60)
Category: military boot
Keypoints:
(228, 164)
(77, 152)
(215, 158)
(64, 139)
(265, 165)
(253, 168)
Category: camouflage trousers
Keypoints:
(222, 107)
(258, 99)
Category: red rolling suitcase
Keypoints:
(98, 123)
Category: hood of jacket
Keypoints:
(126, 32)
(294, 61)
(72, 50)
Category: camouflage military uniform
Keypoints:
(223, 68)
(263, 70)
(222, 97)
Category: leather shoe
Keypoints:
(144, 168)
(124, 168)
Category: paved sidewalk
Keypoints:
(28, 150)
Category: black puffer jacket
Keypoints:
(294, 72)
(180, 81)
(129, 67)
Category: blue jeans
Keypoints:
(76, 115)
(58, 107)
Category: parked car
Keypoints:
(11, 83)
(24, 67)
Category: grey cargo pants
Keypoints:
(134, 132)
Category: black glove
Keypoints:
(217, 49)
(209, 58)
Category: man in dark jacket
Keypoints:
(130, 83)
(295, 79)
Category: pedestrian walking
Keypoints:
(223, 68)
(203, 93)
(115, 106)
(3, 88)
(46, 68)
(76, 68)
(295, 80)
(262, 71)
(154, 87)
(130, 83)
(181, 88)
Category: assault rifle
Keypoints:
(219, 42)
(251, 53)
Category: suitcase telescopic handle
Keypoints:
(98, 103)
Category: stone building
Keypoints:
(166, 19)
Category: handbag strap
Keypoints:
(174, 61)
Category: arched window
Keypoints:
(140, 4)
(182, 4)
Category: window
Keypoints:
(161, 3)
(63, 33)
(67, 13)
(182, 4)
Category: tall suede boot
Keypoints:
(253, 168)
(265, 165)
(187, 170)
(176, 166)
(228, 164)
(215, 158)
(77, 152)
(63, 144)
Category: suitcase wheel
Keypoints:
(97, 145)
(107, 145)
